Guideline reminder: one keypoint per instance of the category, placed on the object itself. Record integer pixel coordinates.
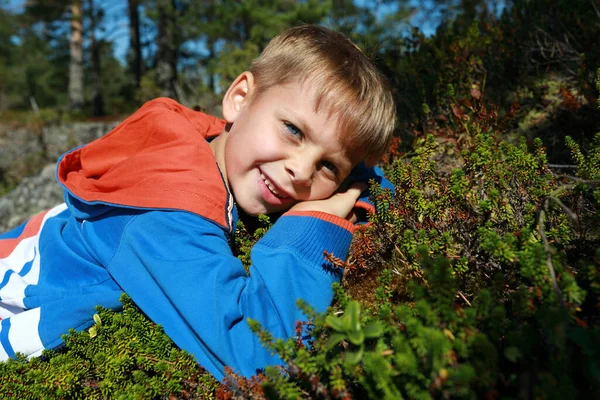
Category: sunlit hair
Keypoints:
(343, 79)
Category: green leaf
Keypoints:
(334, 340)
(512, 353)
(346, 323)
(354, 357)
(356, 337)
(373, 330)
(335, 323)
(353, 313)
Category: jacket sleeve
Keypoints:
(179, 269)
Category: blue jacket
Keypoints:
(146, 212)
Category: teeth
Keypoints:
(270, 186)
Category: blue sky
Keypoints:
(116, 20)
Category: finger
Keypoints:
(360, 185)
(353, 216)
(356, 189)
(352, 193)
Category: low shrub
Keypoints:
(124, 355)
(478, 278)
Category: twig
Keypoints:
(34, 105)
(595, 8)
(566, 209)
(541, 220)
(580, 180)
(549, 251)
(419, 275)
(562, 166)
(464, 298)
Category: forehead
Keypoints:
(344, 129)
(318, 116)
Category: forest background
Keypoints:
(478, 277)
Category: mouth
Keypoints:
(273, 188)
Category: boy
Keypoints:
(149, 209)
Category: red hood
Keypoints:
(157, 158)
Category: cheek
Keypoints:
(239, 151)
(323, 190)
(265, 149)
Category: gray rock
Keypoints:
(32, 195)
(24, 153)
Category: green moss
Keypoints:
(478, 278)
(124, 355)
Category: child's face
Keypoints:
(279, 151)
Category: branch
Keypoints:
(566, 209)
(580, 180)
(595, 8)
(549, 251)
(541, 220)
(464, 298)
(562, 166)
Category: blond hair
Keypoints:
(343, 78)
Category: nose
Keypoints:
(300, 171)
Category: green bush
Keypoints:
(536, 61)
(478, 278)
(480, 282)
(123, 356)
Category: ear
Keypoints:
(237, 96)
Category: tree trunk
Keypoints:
(212, 84)
(166, 63)
(97, 102)
(76, 64)
(135, 46)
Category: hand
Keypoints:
(340, 203)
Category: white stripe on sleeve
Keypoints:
(24, 333)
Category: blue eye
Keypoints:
(293, 129)
(330, 166)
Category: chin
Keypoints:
(255, 213)
(253, 209)
(256, 208)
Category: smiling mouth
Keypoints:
(271, 187)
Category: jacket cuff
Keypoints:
(310, 233)
(334, 219)
(363, 217)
